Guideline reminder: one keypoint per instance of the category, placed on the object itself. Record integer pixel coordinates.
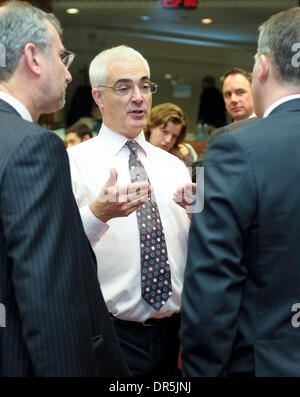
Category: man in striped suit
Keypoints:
(54, 319)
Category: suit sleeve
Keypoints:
(48, 251)
(215, 272)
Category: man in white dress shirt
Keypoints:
(121, 86)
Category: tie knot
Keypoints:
(132, 146)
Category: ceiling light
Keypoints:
(206, 20)
(168, 76)
(72, 11)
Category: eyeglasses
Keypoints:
(123, 88)
(67, 58)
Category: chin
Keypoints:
(165, 149)
(56, 106)
(238, 117)
(136, 128)
(132, 133)
(61, 103)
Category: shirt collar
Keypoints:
(250, 117)
(17, 105)
(279, 102)
(116, 141)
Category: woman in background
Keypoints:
(166, 129)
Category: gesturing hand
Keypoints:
(116, 201)
(184, 196)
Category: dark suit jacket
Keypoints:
(56, 320)
(218, 131)
(243, 275)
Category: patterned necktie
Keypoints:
(155, 269)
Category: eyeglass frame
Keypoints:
(151, 84)
(67, 54)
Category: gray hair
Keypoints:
(98, 70)
(20, 24)
(277, 38)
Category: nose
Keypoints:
(68, 76)
(168, 138)
(233, 98)
(136, 94)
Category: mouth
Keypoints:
(137, 111)
(137, 114)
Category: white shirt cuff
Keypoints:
(93, 227)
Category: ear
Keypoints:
(98, 97)
(32, 59)
(264, 68)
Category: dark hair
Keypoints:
(209, 80)
(162, 114)
(80, 130)
(243, 72)
(81, 104)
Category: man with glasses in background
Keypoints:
(141, 254)
(56, 321)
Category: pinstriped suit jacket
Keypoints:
(57, 323)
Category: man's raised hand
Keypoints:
(116, 201)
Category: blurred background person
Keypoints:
(166, 129)
(93, 120)
(212, 106)
(84, 110)
(237, 93)
(77, 133)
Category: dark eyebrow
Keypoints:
(144, 78)
(123, 81)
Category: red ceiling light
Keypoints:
(183, 4)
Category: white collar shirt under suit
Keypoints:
(117, 244)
